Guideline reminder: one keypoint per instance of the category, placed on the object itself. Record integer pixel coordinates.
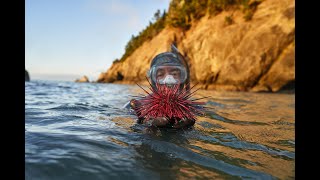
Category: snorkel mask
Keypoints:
(168, 74)
(169, 68)
(170, 95)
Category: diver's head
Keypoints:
(169, 68)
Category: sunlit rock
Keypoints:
(254, 55)
(84, 79)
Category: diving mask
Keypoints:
(168, 74)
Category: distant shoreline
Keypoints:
(220, 88)
(58, 77)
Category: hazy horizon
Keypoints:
(70, 39)
(58, 77)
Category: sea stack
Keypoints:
(83, 79)
(26, 75)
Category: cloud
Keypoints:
(165, 1)
(121, 8)
(117, 10)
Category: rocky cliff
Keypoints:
(225, 51)
(26, 75)
(84, 79)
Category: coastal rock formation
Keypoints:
(255, 55)
(26, 75)
(84, 79)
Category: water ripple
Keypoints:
(80, 131)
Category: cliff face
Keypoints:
(135, 67)
(256, 55)
(26, 75)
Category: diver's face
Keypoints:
(168, 74)
(168, 71)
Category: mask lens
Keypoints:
(178, 73)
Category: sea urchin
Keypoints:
(172, 103)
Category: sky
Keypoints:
(67, 39)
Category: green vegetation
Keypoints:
(228, 20)
(249, 7)
(182, 13)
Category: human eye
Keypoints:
(160, 73)
(175, 72)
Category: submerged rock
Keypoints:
(84, 79)
(26, 75)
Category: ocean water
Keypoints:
(80, 131)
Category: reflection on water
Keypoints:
(80, 131)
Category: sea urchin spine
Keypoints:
(172, 103)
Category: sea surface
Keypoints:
(80, 131)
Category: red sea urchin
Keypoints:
(169, 102)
